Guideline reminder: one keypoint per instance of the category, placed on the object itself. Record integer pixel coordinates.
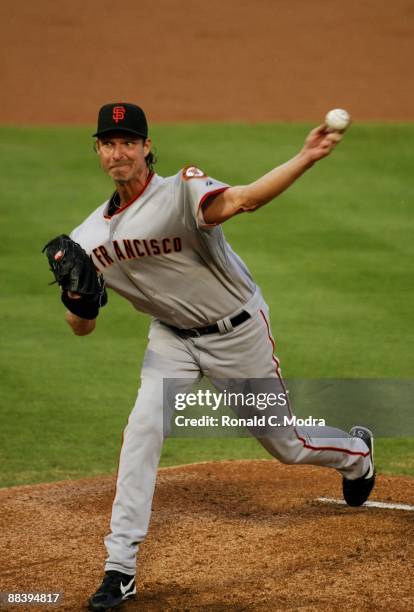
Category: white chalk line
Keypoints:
(369, 504)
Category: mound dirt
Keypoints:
(236, 535)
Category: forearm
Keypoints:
(248, 198)
(272, 184)
(319, 143)
(80, 327)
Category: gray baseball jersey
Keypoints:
(158, 252)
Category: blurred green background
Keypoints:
(333, 256)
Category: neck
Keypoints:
(128, 190)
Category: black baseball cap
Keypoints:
(122, 117)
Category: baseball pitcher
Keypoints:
(159, 243)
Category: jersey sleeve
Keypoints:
(196, 187)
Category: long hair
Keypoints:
(151, 160)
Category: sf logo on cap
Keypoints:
(118, 113)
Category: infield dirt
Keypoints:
(220, 60)
(234, 535)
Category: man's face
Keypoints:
(122, 156)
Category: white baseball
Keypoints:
(338, 119)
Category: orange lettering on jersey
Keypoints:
(146, 247)
(98, 256)
(177, 244)
(105, 255)
(137, 244)
(166, 245)
(117, 250)
(132, 249)
(129, 251)
(190, 172)
(154, 246)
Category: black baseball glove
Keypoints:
(74, 271)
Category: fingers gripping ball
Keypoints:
(338, 119)
(74, 271)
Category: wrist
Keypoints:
(306, 159)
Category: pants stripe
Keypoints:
(302, 440)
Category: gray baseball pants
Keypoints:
(245, 352)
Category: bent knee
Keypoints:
(287, 451)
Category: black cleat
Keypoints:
(115, 588)
(356, 492)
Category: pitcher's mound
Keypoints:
(233, 535)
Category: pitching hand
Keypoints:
(320, 142)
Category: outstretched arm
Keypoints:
(247, 198)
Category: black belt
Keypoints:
(209, 329)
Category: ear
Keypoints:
(147, 146)
(96, 146)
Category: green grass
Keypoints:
(333, 257)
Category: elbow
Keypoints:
(246, 202)
(83, 331)
(80, 327)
